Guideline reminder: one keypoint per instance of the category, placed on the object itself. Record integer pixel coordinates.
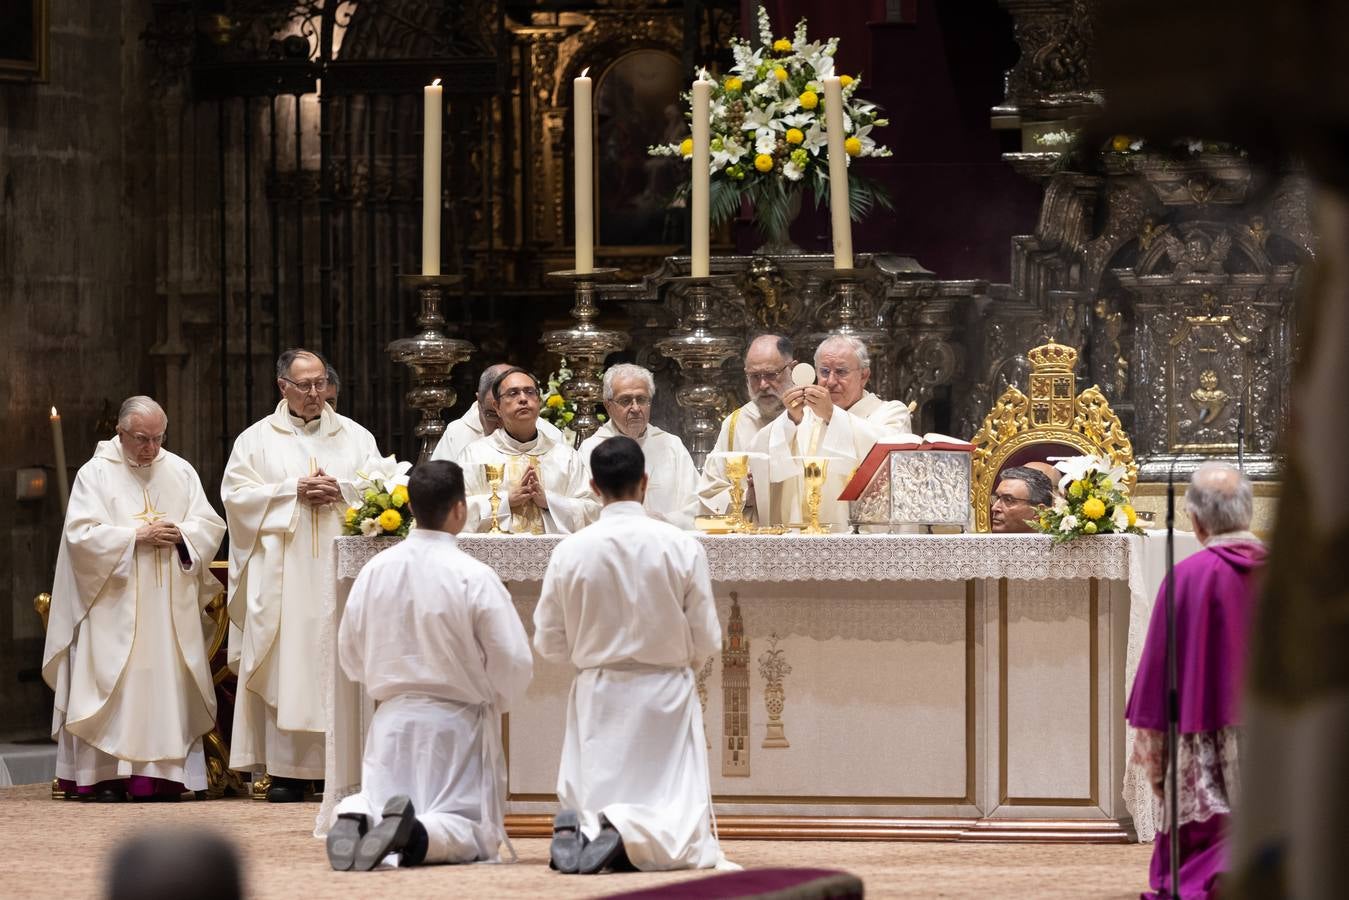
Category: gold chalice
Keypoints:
(737, 467)
(494, 472)
(814, 469)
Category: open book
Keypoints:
(881, 451)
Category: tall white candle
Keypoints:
(701, 178)
(583, 151)
(838, 173)
(433, 99)
(59, 442)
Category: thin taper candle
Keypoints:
(583, 159)
(701, 178)
(838, 173)
(433, 99)
(59, 442)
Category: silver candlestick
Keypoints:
(699, 350)
(585, 346)
(845, 290)
(430, 355)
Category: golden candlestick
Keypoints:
(494, 472)
(814, 470)
(737, 467)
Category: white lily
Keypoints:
(384, 474)
(816, 140)
(1074, 468)
(731, 151)
(757, 119)
(1120, 518)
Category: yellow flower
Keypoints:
(390, 519)
(399, 495)
(782, 45)
(809, 100)
(686, 147)
(1120, 143)
(779, 73)
(853, 146)
(1129, 511)
(733, 83)
(845, 80)
(763, 162)
(1077, 488)
(794, 136)
(352, 513)
(1089, 528)
(556, 400)
(1093, 508)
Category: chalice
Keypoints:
(814, 469)
(494, 472)
(737, 467)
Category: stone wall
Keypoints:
(77, 294)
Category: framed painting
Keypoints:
(23, 40)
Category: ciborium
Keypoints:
(494, 472)
(585, 345)
(737, 468)
(430, 355)
(814, 469)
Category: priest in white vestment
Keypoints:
(286, 488)
(672, 479)
(768, 375)
(628, 602)
(836, 418)
(544, 489)
(434, 638)
(480, 419)
(126, 651)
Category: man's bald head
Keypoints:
(1219, 500)
(1047, 470)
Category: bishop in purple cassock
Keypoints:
(1214, 593)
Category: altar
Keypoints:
(869, 686)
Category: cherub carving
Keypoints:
(1196, 254)
(767, 301)
(1209, 397)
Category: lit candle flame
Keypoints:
(436, 83)
(585, 72)
(55, 414)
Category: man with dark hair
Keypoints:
(481, 419)
(544, 486)
(334, 388)
(434, 638)
(1017, 499)
(628, 602)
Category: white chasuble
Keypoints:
(433, 637)
(468, 428)
(280, 550)
(845, 439)
(672, 479)
(738, 431)
(125, 650)
(628, 602)
(571, 505)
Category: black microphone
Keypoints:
(1172, 682)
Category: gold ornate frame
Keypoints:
(1054, 413)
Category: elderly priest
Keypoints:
(286, 486)
(480, 420)
(672, 479)
(768, 365)
(543, 488)
(836, 418)
(125, 652)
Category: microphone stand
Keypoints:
(1172, 695)
(1241, 433)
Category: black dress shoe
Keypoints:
(285, 790)
(604, 852)
(414, 854)
(110, 795)
(343, 838)
(391, 835)
(564, 853)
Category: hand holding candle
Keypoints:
(583, 159)
(58, 440)
(433, 99)
(838, 173)
(701, 177)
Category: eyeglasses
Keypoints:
(513, 393)
(1009, 500)
(146, 440)
(639, 400)
(825, 373)
(766, 376)
(318, 385)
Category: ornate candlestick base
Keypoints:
(845, 290)
(699, 351)
(585, 346)
(430, 355)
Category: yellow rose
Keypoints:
(809, 100)
(390, 520)
(1093, 508)
(1129, 511)
(763, 162)
(853, 146)
(399, 495)
(1120, 143)
(779, 73)
(845, 80)
(794, 136)
(686, 147)
(733, 83)
(782, 45)
(556, 400)
(352, 513)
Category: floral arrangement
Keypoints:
(768, 131)
(383, 484)
(1092, 500)
(556, 408)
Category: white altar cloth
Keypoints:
(522, 560)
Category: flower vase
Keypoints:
(776, 229)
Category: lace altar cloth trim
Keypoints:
(862, 557)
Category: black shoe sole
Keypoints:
(564, 853)
(601, 853)
(343, 839)
(389, 836)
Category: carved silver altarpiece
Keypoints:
(916, 487)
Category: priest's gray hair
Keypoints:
(627, 370)
(1038, 485)
(287, 359)
(139, 405)
(1220, 498)
(848, 341)
(488, 376)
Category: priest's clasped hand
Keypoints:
(318, 489)
(529, 490)
(159, 534)
(816, 396)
